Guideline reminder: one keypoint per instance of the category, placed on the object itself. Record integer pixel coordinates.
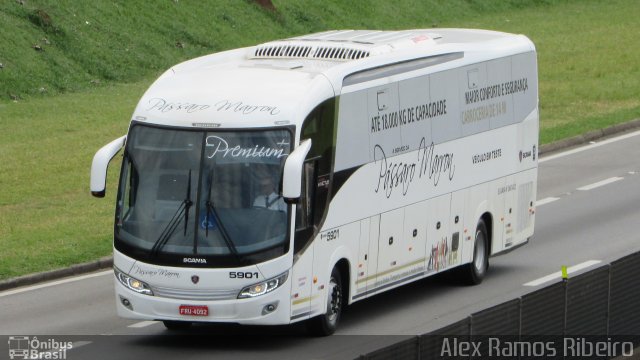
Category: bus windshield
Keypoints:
(202, 198)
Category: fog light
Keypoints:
(126, 303)
(269, 308)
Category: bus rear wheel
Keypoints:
(474, 272)
(326, 324)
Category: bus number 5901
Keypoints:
(243, 275)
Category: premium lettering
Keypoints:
(221, 148)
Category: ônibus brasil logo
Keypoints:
(27, 347)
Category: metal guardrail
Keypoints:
(600, 304)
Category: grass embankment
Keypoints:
(96, 59)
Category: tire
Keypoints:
(474, 272)
(326, 324)
(176, 325)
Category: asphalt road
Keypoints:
(587, 214)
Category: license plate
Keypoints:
(194, 310)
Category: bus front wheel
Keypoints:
(326, 324)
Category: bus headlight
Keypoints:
(263, 287)
(133, 283)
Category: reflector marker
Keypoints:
(558, 275)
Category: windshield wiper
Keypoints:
(171, 227)
(187, 201)
(212, 210)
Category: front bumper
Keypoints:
(251, 311)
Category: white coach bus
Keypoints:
(278, 183)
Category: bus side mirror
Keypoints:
(292, 177)
(100, 164)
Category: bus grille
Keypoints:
(195, 294)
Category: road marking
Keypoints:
(54, 283)
(545, 201)
(600, 183)
(558, 275)
(77, 344)
(588, 147)
(142, 324)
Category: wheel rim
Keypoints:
(480, 252)
(334, 301)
